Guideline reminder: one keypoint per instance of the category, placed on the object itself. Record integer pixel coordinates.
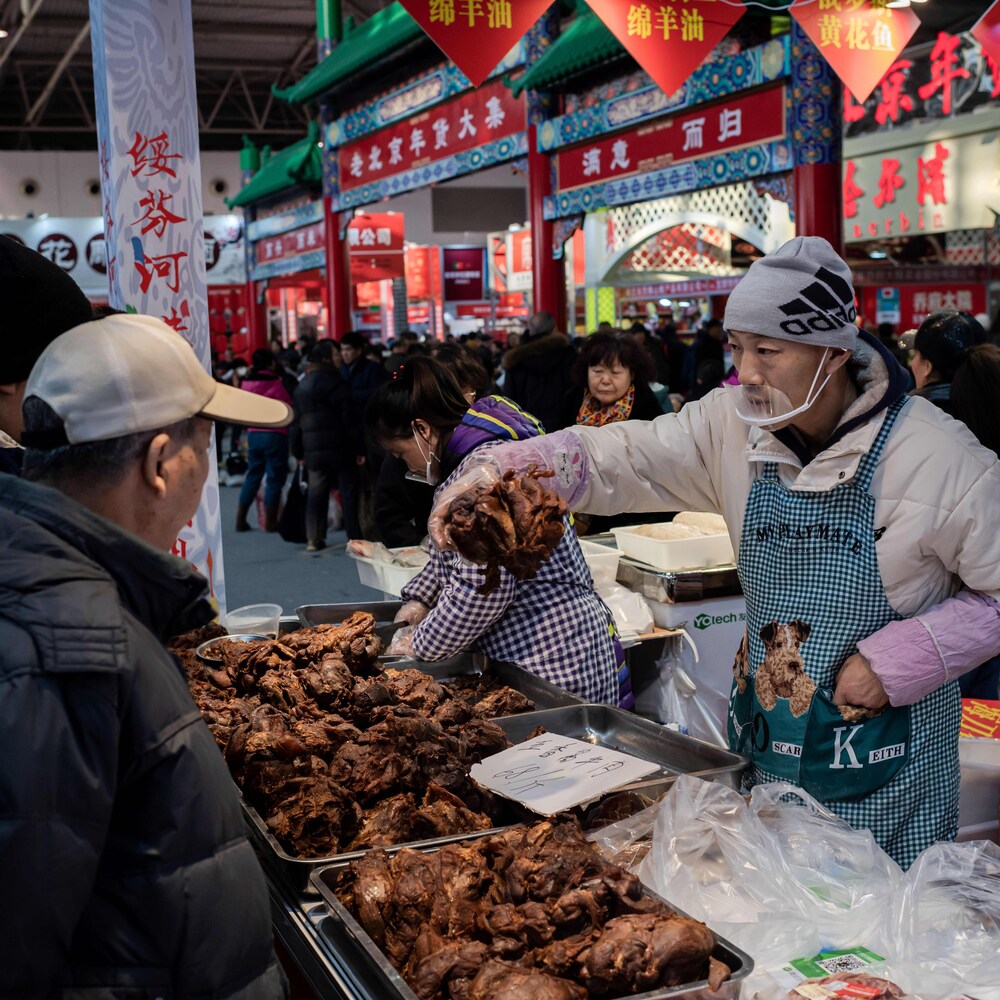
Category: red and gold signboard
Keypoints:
(669, 39)
(860, 39)
(741, 120)
(476, 34)
(375, 245)
(471, 120)
(980, 719)
(298, 241)
(418, 273)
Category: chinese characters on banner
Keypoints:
(518, 257)
(471, 120)
(939, 186)
(476, 34)
(375, 246)
(417, 266)
(669, 39)
(980, 719)
(860, 39)
(463, 273)
(147, 123)
(297, 242)
(737, 121)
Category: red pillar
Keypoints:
(338, 284)
(817, 202)
(549, 284)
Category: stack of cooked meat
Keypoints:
(338, 755)
(533, 912)
(515, 523)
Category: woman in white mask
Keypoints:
(555, 624)
(868, 533)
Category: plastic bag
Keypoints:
(676, 698)
(630, 610)
(779, 876)
(947, 923)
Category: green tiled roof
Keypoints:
(585, 42)
(298, 164)
(383, 32)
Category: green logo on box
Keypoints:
(704, 621)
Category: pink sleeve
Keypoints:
(916, 656)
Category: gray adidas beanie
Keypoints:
(801, 292)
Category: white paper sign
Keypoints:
(551, 773)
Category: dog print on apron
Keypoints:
(809, 570)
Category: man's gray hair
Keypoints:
(105, 460)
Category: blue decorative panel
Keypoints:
(274, 225)
(468, 162)
(723, 168)
(292, 265)
(814, 110)
(728, 75)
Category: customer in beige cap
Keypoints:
(123, 860)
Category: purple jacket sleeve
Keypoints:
(916, 656)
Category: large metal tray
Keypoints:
(395, 986)
(616, 729)
(544, 694)
(675, 587)
(332, 614)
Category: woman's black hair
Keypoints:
(468, 370)
(975, 389)
(420, 389)
(609, 349)
(944, 337)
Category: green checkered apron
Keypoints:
(809, 570)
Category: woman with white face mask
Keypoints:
(554, 625)
(868, 533)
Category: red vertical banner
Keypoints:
(475, 34)
(417, 262)
(376, 246)
(860, 39)
(669, 39)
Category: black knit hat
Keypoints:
(38, 301)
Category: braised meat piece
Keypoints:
(324, 736)
(315, 817)
(641, 952)
(353, 641)
(330, 682)
(414, 688)
(501, 981)
(515, 523)
(436, 961)
(193, 639)
(481, 738)
(442, 814)
(367, 695)
(391, 821)
(371, 770)
(365, 888)
(282, 689)
(452, 712)
(505, 701)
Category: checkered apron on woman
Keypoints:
(810, 573)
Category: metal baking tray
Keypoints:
(739, 962)
(334, 614)
(616, 729)
(544, 694)
(668, 587)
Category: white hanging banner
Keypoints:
(147, 126)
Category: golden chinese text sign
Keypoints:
(860, 39)
(669, 39)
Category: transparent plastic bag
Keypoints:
(779, 876)
(947, 922)
(630, 610)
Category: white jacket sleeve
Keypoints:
(671, 463)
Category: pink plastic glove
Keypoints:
(402, 643)
(413, 612)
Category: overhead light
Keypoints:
(898, 3)
(878, 255)
(4, 32)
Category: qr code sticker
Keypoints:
(843, 963)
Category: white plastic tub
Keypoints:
(675, 553)
(384, 576)
(602, 560)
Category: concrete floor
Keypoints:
(262, 567)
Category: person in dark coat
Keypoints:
(326, 436)
(40, 301)
(938, 349)
(363, 375)
(708, 345)
(123, 857)
(537, 372)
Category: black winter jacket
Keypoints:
(364, 377)
(124, 869)
(538, 376)
(327, 429)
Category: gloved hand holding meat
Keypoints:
(515, 523)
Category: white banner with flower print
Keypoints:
(147, 123)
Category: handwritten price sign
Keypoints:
(551, 773)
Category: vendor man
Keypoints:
(123, 859)
(868, 530)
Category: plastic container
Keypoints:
(260, 618)
(383, 576)
(602, 560)
(674, 553)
